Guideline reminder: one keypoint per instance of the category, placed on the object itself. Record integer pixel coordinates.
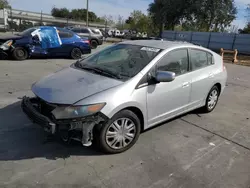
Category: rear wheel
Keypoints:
(93, 44)
(212, 99)
(120, 133)
(20, 53)
(76, 53)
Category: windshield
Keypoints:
(27, 32)
(122, 60)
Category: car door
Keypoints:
(66, 46)
(168, 99)
(202, 66)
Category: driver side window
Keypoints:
(174, 61)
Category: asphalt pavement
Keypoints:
(194, 151)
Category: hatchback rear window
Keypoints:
(96, 31)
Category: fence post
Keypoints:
(191, 37)
(175, 35)
(234, 41)
(209, 39)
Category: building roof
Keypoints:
(158, 43)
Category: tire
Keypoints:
(20, 54)
(76, 53)
(120, 143)
(93, 44)
(212, 100)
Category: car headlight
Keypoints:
(77, 111)
(6, 45)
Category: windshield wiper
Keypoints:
(98, 70)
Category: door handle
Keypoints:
(211, 75)
(185, 84)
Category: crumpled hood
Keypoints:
(71, 85)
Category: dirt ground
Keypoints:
(242, 59)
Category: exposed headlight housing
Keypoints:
(6, 45)
(72, 112)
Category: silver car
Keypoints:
(111, 96)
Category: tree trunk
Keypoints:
(161, 29)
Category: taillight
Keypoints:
(223, 66)
(86, 41)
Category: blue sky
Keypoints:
(108, 7)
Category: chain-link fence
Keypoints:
(212, 40)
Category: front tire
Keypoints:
(120, 133)
(20, 54)
(212, 99)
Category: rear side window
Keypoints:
(200, 59)
(76, 30)
(65, 33)
(84, 30)
(175, 61)
(210, 59)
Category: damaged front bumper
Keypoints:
(80, 129)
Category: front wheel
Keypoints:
(20, 53)
(120, 133)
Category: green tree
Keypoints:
(60, 12)
(195, 15)
(80, 14)
(156, 14)
(169, 13)
(77, 14)
(214, 15)
(138, 21)
(246, 30)
(4, 4)
(108, 19)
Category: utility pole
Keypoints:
(87, 16)
(41, 21)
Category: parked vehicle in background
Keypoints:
(115, 33)
(104, 32)
(122, 90)
(51, 42)
(94, 35)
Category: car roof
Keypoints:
(162, 44)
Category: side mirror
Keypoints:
(165, 76)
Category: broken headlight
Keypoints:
(77, 111)
(6, 45)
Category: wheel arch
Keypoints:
(138, 113)
(219, 87)
(136, 109)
